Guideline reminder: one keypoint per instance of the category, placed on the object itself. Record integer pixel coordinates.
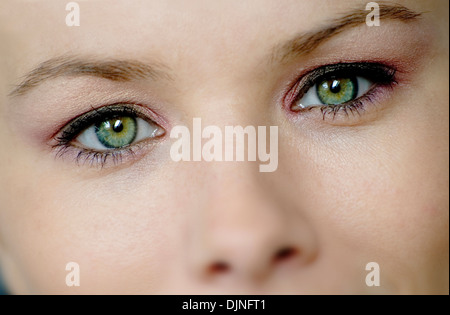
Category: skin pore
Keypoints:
(360, 185)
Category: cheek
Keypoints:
(379, 194)
(119, 229)
(396, 214)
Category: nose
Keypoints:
(247, 230)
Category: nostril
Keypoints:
(219, 268)
(285, 254)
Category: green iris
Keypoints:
(337, 91)
(116, 132)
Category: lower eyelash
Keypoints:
(93, 158)
(354, 107)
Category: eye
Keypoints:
(110, 132)
(335, 91)
(340, 86)
(117, 132)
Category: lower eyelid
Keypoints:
(111, 158)
(367, 109)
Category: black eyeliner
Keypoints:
(377, 72)
(79, 124)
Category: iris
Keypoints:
(337, 91)
(117, 132)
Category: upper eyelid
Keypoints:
(345, 68)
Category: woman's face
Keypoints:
(87, 175)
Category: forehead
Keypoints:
(167, 31)
(160, 26)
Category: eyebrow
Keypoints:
(305, 43)
(114, 70)
(129, 70)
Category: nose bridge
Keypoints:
(240, 226)
(240, 202)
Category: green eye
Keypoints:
(337, 91)
(117, 132)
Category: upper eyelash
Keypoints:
(380, 73)
(77, 125)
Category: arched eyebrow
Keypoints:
(71, 66)
(129, 70)
(305, 43)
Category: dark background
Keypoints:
(2, 288)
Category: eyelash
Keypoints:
(87, 156)
(382, 75)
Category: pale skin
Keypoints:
(372, 187)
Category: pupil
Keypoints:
(335, 86)
(118, 126)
